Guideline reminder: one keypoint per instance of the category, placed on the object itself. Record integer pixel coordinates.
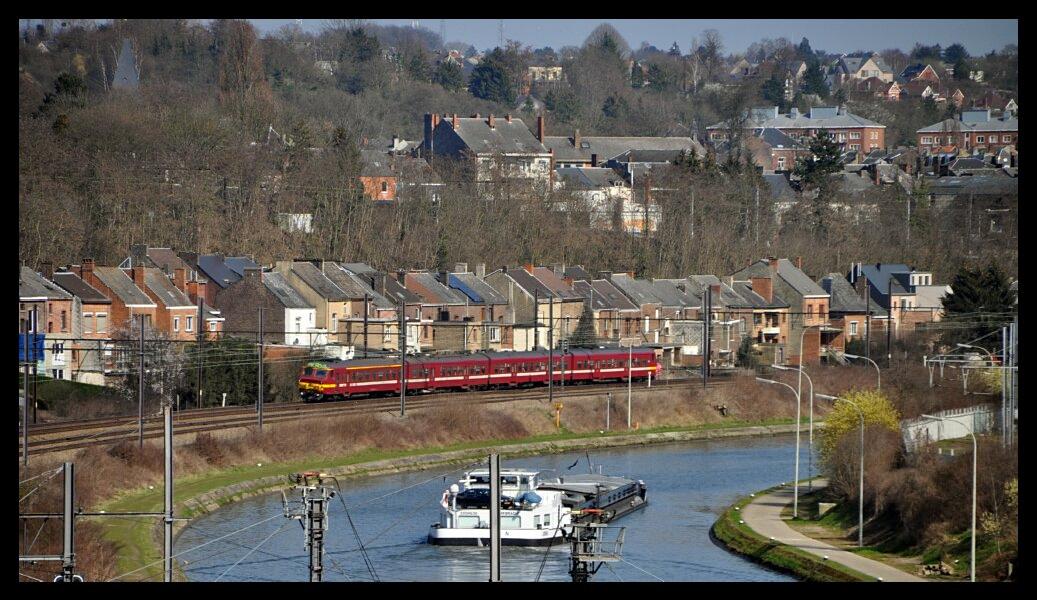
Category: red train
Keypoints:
(482, 370)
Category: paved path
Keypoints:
(763, 515)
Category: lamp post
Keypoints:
(810, 443)
(877, 371)
(860, 483)
(972, 569)
(630, 379)
(795, 481)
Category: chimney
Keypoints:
(461, 268)
(137, 274)
(540, 128)
(454, 121)
(606, 275)
(444, 278)
(252, 272)
(714, 288)
(764, 287)
(507, 117)
(594, 160)
(799, 263)
(841, 110)
(773, 264)
(794, 113)
(476, 116)
(489, 121)
(576, 139)
(480, 270)
(47, 269)
(557, 269)
(878, 175)
(180, 278)
(378, 283)
(528, 267)
(427, 142)
(86, 270)
(730, 281)
(401, 277)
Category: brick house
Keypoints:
(973, 130)
(497, 147)
(449, 322)
(91, 325)
(615, 316)
(855, 68)
(883, 90)
(850, 131)
(218, 271)
(530, 303)
(175, 314)
(287, 317)
(128, 300)
(808, 307)
(377, 176)
(494, 333)
(639, 292)
(848, 312)
(55, 312)
(919, 72)
(329, 300)
(768, 325)
(892, 287)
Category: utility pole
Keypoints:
(867, 322)
(693, 213)
(68, 556)
(167, 546)
(757, 216)
(35, 373)
(201, 356)
(313, 516)
(403, 359)
(889, 325)
(495, 517)
(550, 348)
(259, 397)
(707, 309)
(140, 389)
(536, 318)
(25, 394)
(365, 324)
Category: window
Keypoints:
(385, 186)
(781, 163)
(88, 321)
(212, 325)
(993, 139)
(853, 327)
(874, 135)
(1006, 138)
(64, 323)
(855, 146)
(855, 135)
(810, 311)
(102, 322)
(176, 323)
(980, 139)
(334, 322)
(926, 139)
(190, 324)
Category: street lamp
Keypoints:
(877, 371)
(810, 456)
(795, 494)
(860, 483)
(969, 429)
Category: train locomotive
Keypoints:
(339, 380)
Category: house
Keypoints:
(635, 165)
(973, 130)
(850, 68)
(568, 304)
(448, 321)
(919, 72)
(603, 191)
(957, 98)
(808, 307)
(848, 312)
(377, 176)
(287, 317)
(742, 69)
(213, 269)
(329, 300)
(48, 309)
(891, 286)
(492, 306)
(773, 150)
(997, 101)
(765, 317)
(531, 303)
(90, 326)
(593, 151)
(129, 302)
(889, 91)
(920, 88)
(615, 316)
(175, 314)
(497, 148)
(640, 293)
(852, 132)
(538, 75)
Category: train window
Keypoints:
(307, 371)
(322, 373)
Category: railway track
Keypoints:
(56, 437)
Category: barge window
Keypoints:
(508, 522)
(468, 522)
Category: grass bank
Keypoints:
(741, 539)
(140, 541)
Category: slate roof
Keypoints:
(375, 163)
(603, 295)
(776, 139)
(675, 293)
(879, 278)
(779, 186)
(529, 283)
(554, 283)
(33, 285)
(652, 156)
(819, 117)
(167, 260)
(285, 293)
(486, 294)
(344, 280)
(797, 279)
(577, 273)
(728, 296)
(609, 147)
(122, 286)
(216, 270)
(638, 290)
(359, 268)
(434, 292)
(992, 185)
(509, 138)
(312, 277)
(844, 299)
(238, 264)
(160, 285)
(75, 285)
(949, 125)
(745, 290)
(589, 178)
(362, 283)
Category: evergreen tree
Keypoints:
(773, 91)
(981, 303)
(803, 51)
(961, 70)
(814, 80)
(954, 53)
(449, 75)
(563, 103)
(745, 357)
(814, 170)
(492, 79)
(584, 335)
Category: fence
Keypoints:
(922, 431)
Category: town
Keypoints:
(286, 259)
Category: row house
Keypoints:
(615, 316)
(593, 151)
(494, 333)
(90, 325)
(175, 315)
(975, 130)
(445, 312)
(856, 68)
(330, 301)
(288, 318)
(389, 297)
(532, 303)
(848, 312)
(185, 278)
(852, 132)
(729, 316)
(129, 302)
(47, 309)
(502, 148)
(768, 324)
(893, 288)
(808, 307)
(219, 271)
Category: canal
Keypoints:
(689, 483)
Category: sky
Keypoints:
(979, 36)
